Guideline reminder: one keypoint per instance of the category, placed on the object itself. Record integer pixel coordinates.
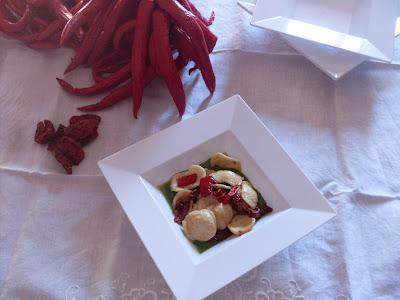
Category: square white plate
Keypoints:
(332, 61)
(135, 173)
(364, 27)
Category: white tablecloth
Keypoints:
(66, 237)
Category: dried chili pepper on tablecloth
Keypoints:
(126, 43)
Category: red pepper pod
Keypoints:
(117, 78)
(83, 16)
(165, 66)
(139, 52)
(109, 27)
(11, 27)
(125, 28)
(189, 24)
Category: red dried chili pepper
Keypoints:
(97, 76)
(108, 29)
(56, 25)
(112, 57)
(187, 180)
(37, 3)
(118, 94)
(60, 11)
(139, 52)
(165, 66)
(182, 43)
(114, 97)
(125, 28)
(117, 78)
(88, 42)
(185, 4)
(125, 91)
(84, 15)
(11, 27)
(188, 22)
(109, 69)
(210, 38)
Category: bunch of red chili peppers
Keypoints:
(127, 43)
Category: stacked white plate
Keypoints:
(335, 35)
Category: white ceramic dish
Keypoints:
(332, 61)
(135, 173)
(350, 25)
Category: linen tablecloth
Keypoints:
(66, 237)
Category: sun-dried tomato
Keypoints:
(64, 161)
(225, 196)
(59, 133)
(186, 180)
(241, 207)
(181, 209)
(206, 186)
(44, 132)
(66, 143)
(71, 149)
(183, 205)
(75, 119)
(82, 131)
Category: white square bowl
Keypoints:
(334, 62)
(135, 173)
(365, 27)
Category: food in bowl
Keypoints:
(214, 200)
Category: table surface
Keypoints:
(66, 237)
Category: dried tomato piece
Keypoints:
(44, 132)
(181, 209)
(186, 180)
(68, 152)
(206, 186)
(82, 131)
(64, 161)
(59, 133)
(241, 207)
(70, 149)
(183, 205)
(75, 119)
(224, 196)
(66, 143)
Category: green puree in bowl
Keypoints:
(169, 196)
